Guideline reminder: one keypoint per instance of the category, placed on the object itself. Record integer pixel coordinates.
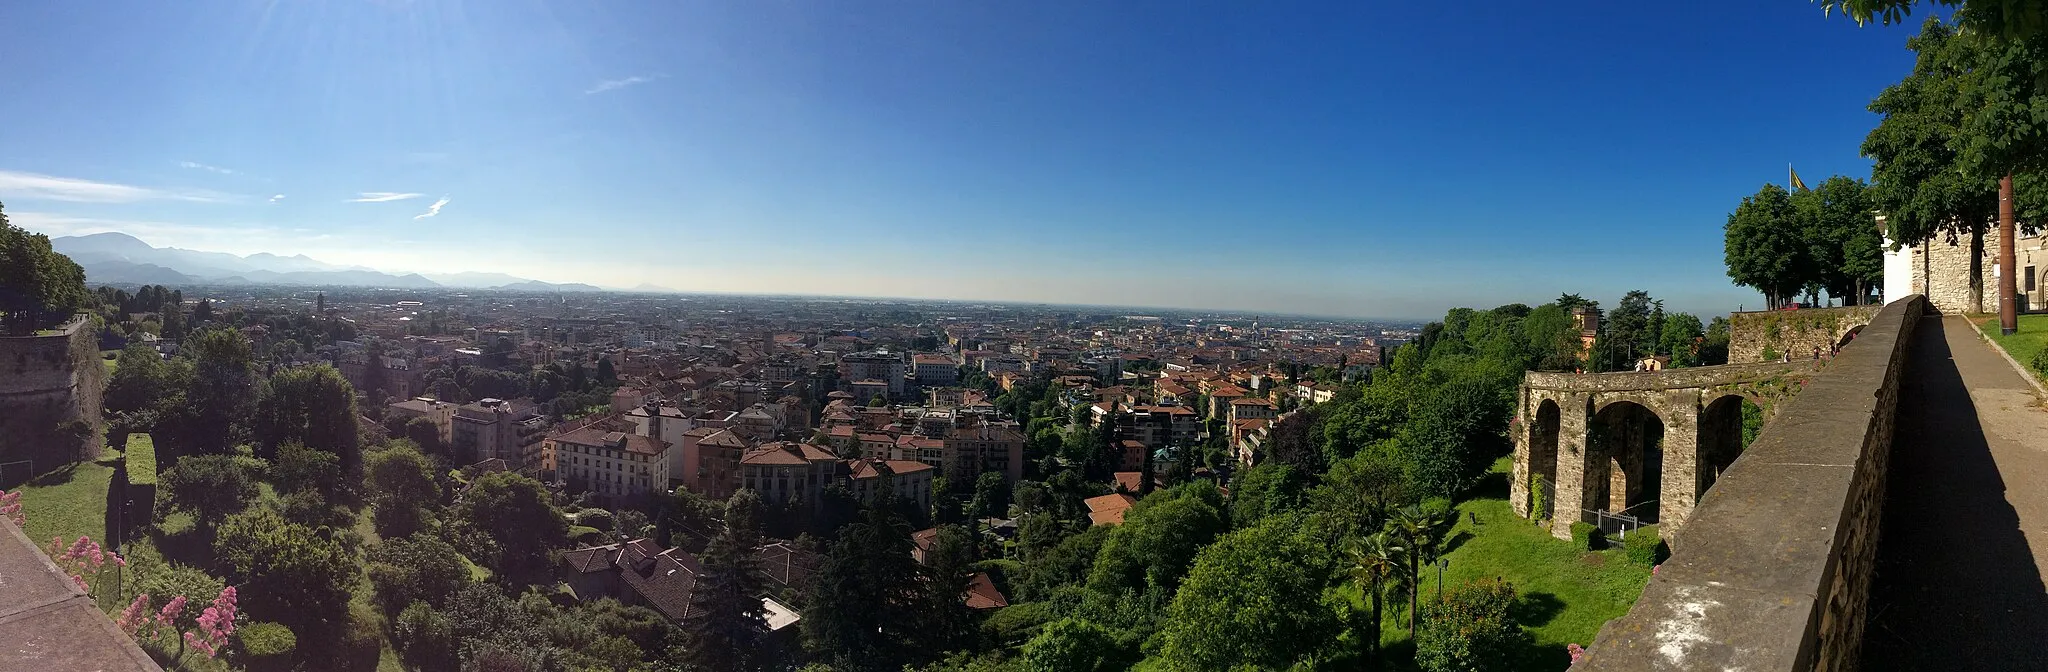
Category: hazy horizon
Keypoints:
(1332, 160)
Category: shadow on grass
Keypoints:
(58, 476)
(1536, 609)
(1493, 485)
(1455, 541)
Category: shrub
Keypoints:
(140, 460)
(599, 519)
(2040, 362)
(1643, 547)
(1471, 630)
(266, 646)
(1587, 537)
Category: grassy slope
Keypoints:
(70, 501)
(2032, 337)
(1567, 594)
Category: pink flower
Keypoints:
(135, 615)
(1578, 652)
(171, 610)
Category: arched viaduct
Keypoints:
(1648, 444)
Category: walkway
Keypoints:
(1959, 568)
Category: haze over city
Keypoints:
(1345, 160)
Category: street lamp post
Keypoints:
(1441, 564)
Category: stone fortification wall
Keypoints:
(1765, 335)
(50, 390)
(1773, 571)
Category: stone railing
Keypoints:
(1773, 570)
(48, 623)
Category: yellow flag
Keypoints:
(1796, 184)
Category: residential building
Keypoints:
(1109, 509)
(786, 471)
(993, 446)
(906, 479)
(716, 452)
(614, 465)
(441, 413)
(878, 365)
(935, 370)
(506, 429)
(1251, 408)
(641, 573)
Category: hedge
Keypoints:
(266, 646)
(1587, 537)
(140, 460)
(1643, 547)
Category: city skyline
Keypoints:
(1363, 162)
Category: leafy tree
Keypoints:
(1714, 346)
(286, 572)
(211, 487)
(1158, 540)
(1454, 436)
(728, 624)
(1070, 645)
(38, 286)
(861, 609)
(1836, 217)
(140, 381)
(991, 495)
(1377, 415)
(400, 482)
(425, 638)
(222, 391)
(1918, 177)
(2009, 19)
(425, 434)
(1265, 490)
(296, 468)
(1471, 629)
(949, 569)
(518, 516)
(1067, 562)
(1764, 247)
(419, 569)
(1364, 489)
(1254, 600)
(1681, 339)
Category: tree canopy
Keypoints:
(39, 287)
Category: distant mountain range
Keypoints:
(118, 258)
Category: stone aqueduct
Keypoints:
(1647, 444)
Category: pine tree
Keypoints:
(727, 622)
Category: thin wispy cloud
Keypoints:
(201, 166)
(615, 84)
(382, 197)
(277, 198)
(432, 210)
(21, 185)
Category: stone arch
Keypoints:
(1720, 436)
(1624, 461)
(1542, 442)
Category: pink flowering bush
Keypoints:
(211, 637)
(82, 559)
(10, 507)
(1578, 652)
(215, 624)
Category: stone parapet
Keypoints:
(1773, 569)
(1767, 336)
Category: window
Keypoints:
(2030, 279)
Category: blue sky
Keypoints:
(1344, 158)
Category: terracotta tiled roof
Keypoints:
(1109, 509)
(598, 437)
(982, 593)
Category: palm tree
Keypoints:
(1416, 530)
(1375, 559)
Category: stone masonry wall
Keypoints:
(50, 390)
(1774, 568)
(1764, 335)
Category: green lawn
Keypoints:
(69, 501)
(1566, 593)
(113, 361)
(2031, 339)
